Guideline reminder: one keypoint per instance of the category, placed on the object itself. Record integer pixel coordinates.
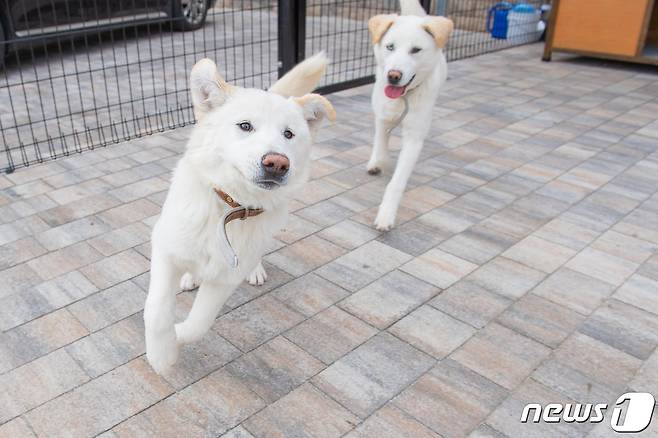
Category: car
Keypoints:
(26, 23)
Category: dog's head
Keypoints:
(252, 143)
(407, 48)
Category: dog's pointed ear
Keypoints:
(379, 25)
(209, 89)
(440, 28)
(316, 108)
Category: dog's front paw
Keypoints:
(162, 352)
(188, 282)
(375, 166)
(257, 276)
(385, 218)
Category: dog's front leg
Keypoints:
(379, 158)
(395, 189)
(208, 302)
(159, 313)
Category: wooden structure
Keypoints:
(624, 30)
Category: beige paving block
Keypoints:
(439, 268)
(304, 255)
(309, 294)
(432, 331)
(501, 355)
(304, 412)
(115, 269)
(506, 277)
(540, 254)
(391, 422)
(56, 263)
(101, 403)
(574, 290)
(602, 266)
(330, 334)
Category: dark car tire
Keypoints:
(190, 14)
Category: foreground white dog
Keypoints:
(250, 147)
(411, 66)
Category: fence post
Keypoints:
(291, 33)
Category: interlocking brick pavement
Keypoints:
(524, 268)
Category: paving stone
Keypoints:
(309, 294)
(602, 266)
(325, 213)
(304, 412)
(57, 263)
(121, 239)
(25, 343)
(507, 415)
(274, 369)
(540, 254)
(541, 320)
(470, 303)
(506, 277)
(439, 268)
(349, 234)
(110, 347)
(29, 386)
(624, 327)
(366, 378)
(72, 232)
(362, 266)
(574, 290)
(108, 306)
(18, 280)
(115, 269)
(566, 233)
(19, 251)
(16, 428)
(101, 403)
(388, 299)
(128, 213)
(296, 228)
(478, 244)
(304, 255)
(501, 355)
(391, 422)
(451, 399)
(598, 361)
(72, 211)
(238, 432)
(432, 331)
(256, 322)
(330, 334)
(641, 292)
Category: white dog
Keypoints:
(250, 148)
(411, 68)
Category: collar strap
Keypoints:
(238, 211)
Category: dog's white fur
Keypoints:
(412, 29)
(185, 248)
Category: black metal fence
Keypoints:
(83, 74)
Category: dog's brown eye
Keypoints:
(245, 126)
(288, 134)
(415, 50)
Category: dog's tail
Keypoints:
(411, 7)
(303, 78)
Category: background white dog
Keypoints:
(253, 145)
(410, 65)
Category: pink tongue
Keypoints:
(393, 92)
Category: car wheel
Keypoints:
(190, 14)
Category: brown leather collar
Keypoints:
(239, 212)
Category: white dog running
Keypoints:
(250, 147)
(411, 68)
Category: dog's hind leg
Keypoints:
(159, 317)
(258, 275)
(379, 158)
(395, 189)
(208, 302)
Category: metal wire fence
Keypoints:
(83, 74)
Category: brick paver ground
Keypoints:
(524, 269)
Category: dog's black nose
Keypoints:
(394, 77)
(275, 165)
